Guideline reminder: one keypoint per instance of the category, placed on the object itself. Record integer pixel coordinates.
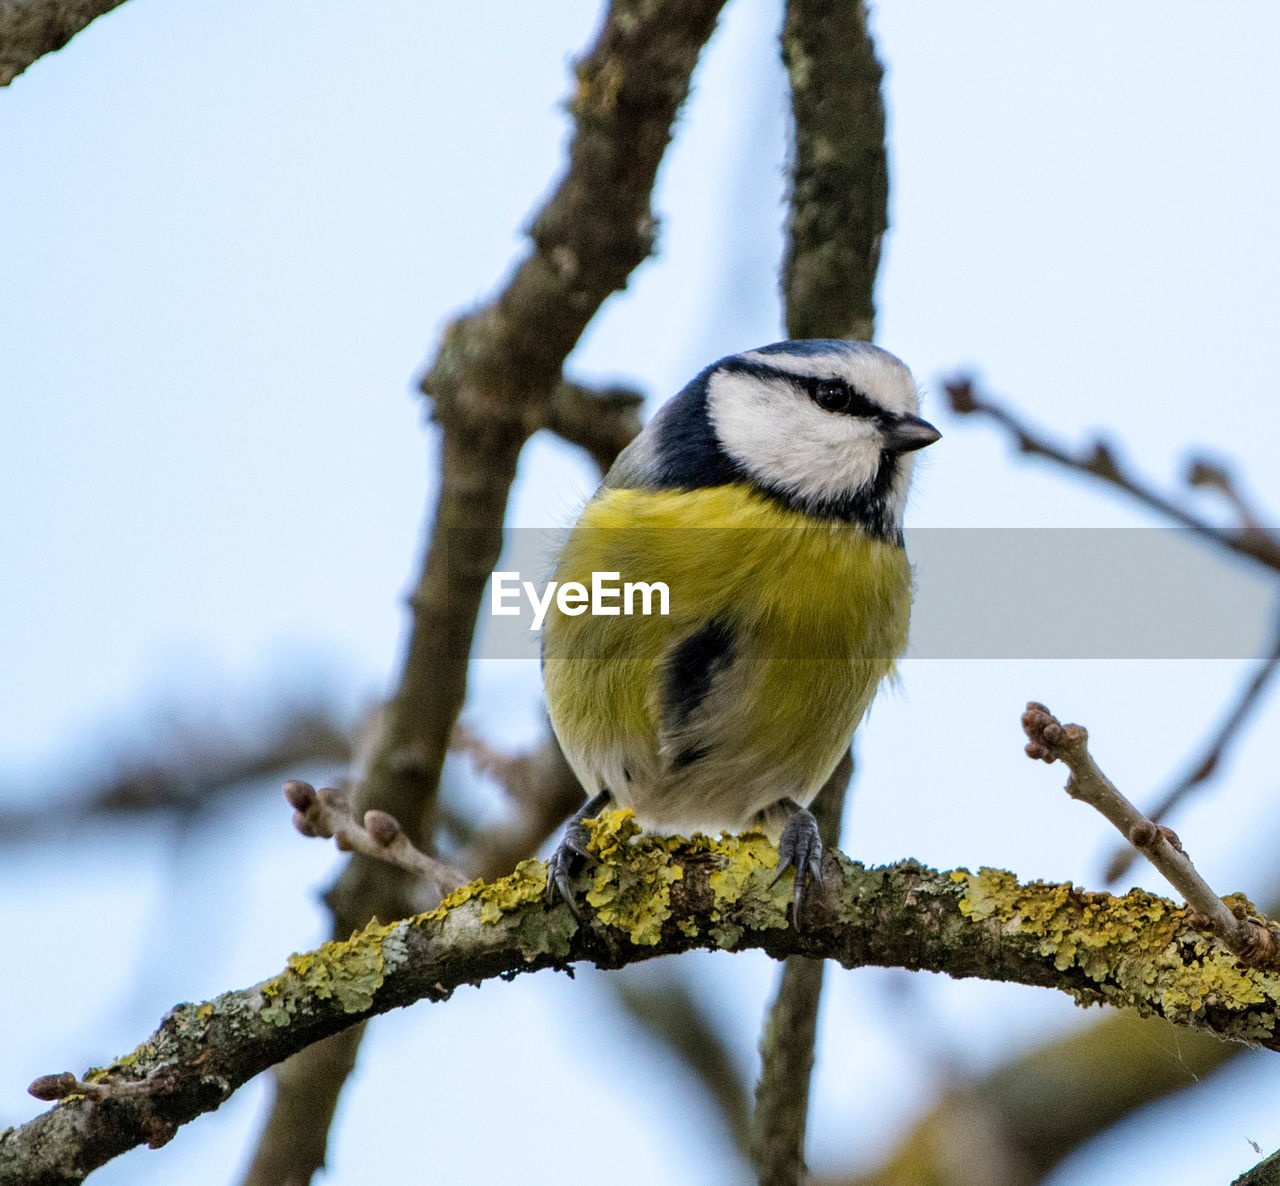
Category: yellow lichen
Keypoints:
(742, 883)
(349, 971)
(750, 859)
(497, 898)
(1135, 950)
(631, 887)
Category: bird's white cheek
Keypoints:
(828, 464)
(798, 448)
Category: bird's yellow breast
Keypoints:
(820, 610)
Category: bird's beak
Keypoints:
(906, 434)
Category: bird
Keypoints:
(768, 496)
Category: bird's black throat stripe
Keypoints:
(868, 506)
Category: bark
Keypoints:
(29, 29)
(838, 213)
(653, 896)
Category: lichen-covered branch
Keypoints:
(29, 29)
(652, 896)
(1265, 1173)
(1249, 936)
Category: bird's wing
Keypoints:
(695, 677)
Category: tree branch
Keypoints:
(1014, 1124)
(496, 379)
(1203, 768)
(29, 29)
(1249, 539)
(781, 1115)
(1265, 1173)
(838, 214)
(654, 896)
(840, 175)
(602, 422)
(1251, 938)
(498, 369)
(1101, 462)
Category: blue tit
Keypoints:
(768, 497)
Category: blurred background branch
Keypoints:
(29, 29)
(1102, 462)
(1016, 1123)
(187, 763)
(1247, 538)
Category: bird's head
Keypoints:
(825, 426)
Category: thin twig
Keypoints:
(1214, 475)
(154, 1130)
(327, 813)
(1101, 462)
(1203, 768)
(1252, 939)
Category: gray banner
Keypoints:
(980, 593)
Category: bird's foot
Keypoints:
(571, 855)
(800, 848)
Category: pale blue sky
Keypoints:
(231, 236)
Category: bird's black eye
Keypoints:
(832, 395)
(835, 395)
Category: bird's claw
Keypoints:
(573, 854)
(800, 848)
